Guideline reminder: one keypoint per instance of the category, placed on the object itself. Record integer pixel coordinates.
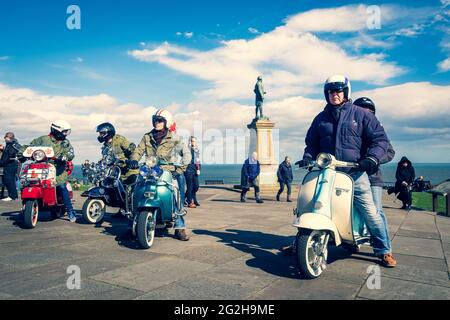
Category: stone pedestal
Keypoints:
(261, 141)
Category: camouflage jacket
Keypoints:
(123, 150)
(169, 150)
(61, 148)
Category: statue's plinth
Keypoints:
(261, 141)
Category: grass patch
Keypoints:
(424, 201)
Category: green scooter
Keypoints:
(156, 201)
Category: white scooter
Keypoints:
(325, 210)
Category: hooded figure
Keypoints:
(405, 176)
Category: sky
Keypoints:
(200, 59)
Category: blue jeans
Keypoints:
(179, 220)
(364, 204)
(66, 197)
(377, 193)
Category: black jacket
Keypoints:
(9, 157)
(376, 180)
(284, 173)
(407, 174)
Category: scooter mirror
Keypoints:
(324, 160)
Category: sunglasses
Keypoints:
(335, 91)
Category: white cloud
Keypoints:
(78, 59)
(4, 58)
(412, 31)
(444, 65)
(445, 3)
(253, 30)
(187, 35)
(293, 61)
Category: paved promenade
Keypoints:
(233, 254)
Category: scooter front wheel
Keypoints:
(312, 252)
(145, 229)
(31, 214)
(93, 210)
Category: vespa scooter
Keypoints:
(109, 191)
(156, 201)
(325, 212)
(38, 186)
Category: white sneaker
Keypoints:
(7, 199)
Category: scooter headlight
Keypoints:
(38, 155)
(324, 160)
(157, 172)
(144, 171)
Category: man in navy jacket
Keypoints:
(351, 134)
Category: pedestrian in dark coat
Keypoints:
(249, 177)
(405, 176)
(192, 173)
(10, 165)
(285, 178)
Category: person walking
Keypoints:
(192, 173)
(285, 178)
(249, 177)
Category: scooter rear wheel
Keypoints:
(31, 214)
(311, 252)
(146, 225)
(93, 210)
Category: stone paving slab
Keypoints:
(418, 246)
(396, 289)
(153, 274)
(233, 254)
(90, 290)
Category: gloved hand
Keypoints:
(61, 158)
(368, 165)
(132, 164)
(306, 162)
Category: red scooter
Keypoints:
(38, 186)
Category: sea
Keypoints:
(231, 173)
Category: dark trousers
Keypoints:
(62, 188)
(9, 180)
(192, 186)
(288, 185)
(251, 183)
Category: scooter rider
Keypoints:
(163, 143)
(121, 147)
(57, 139)
(352, 134)
(376, 180)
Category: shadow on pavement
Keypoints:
(120, 229)
(260, 245)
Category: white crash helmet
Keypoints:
(60, 129)
(338, 82)
(166, 116)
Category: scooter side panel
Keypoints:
(166, 197)
(305, 200)
(341, 205)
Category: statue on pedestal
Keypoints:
(259, 99)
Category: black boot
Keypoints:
(278, 196)
(258, 198)
(243, 198)
(289, 198)
(196, 202)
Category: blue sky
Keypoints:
(113, 55)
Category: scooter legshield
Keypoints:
(314, 221)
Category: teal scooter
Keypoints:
(156, 200)
(325, 214)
